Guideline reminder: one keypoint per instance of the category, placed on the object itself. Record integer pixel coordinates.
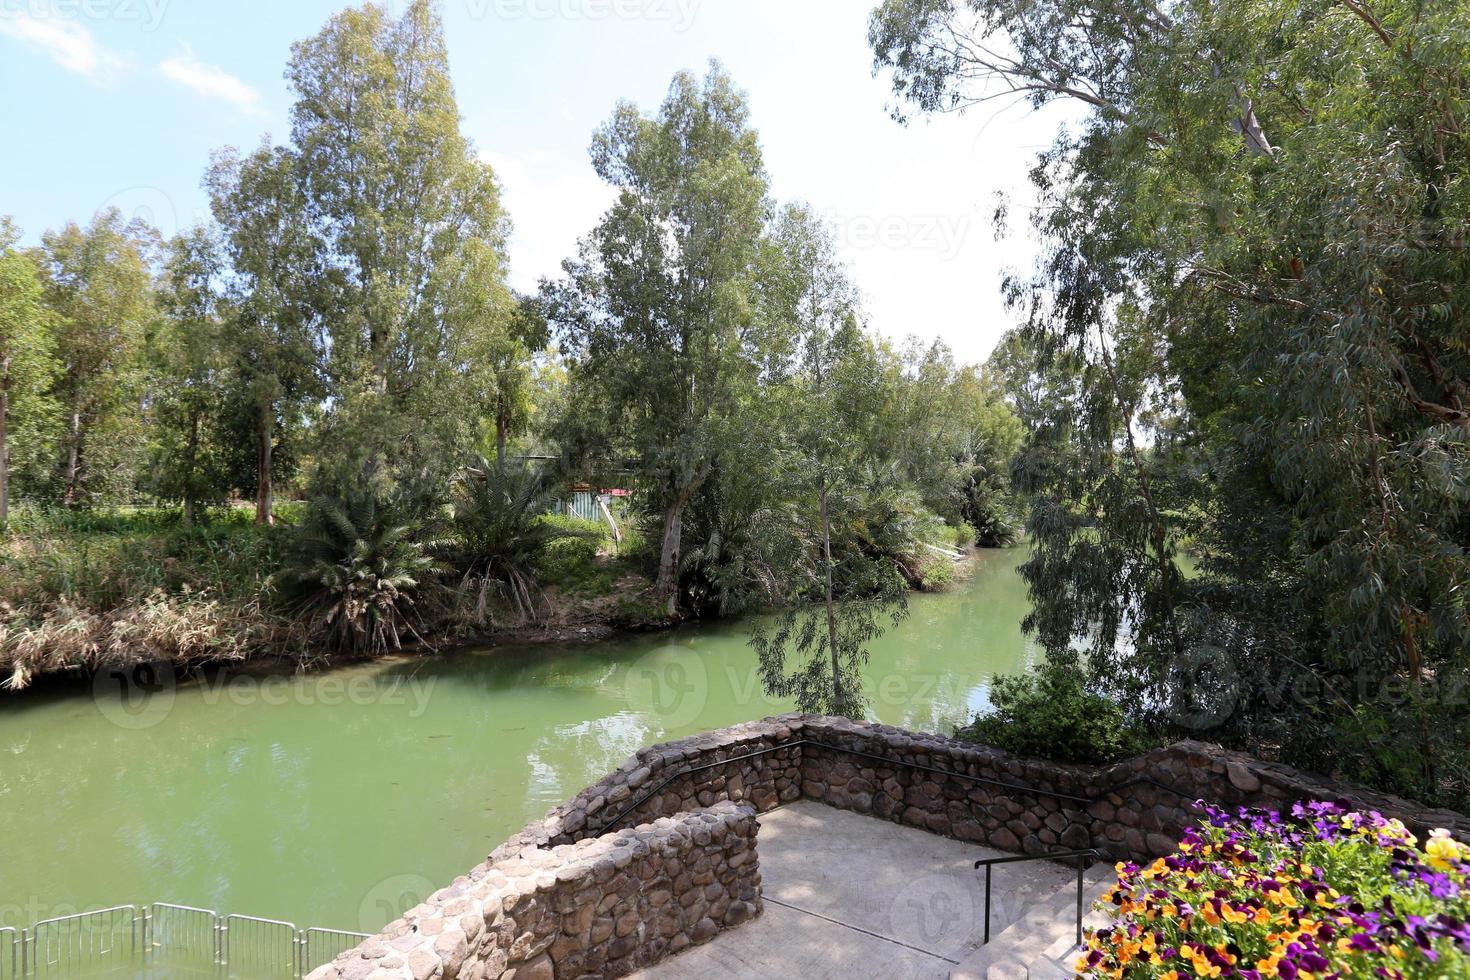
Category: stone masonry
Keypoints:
(578, 894)
(602, 907)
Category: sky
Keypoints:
(120, 103)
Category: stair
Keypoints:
(1042, 943)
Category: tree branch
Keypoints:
(1360, 9)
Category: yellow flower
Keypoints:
(1443, 850)
(1283, 898)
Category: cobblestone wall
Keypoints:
(602, 907)
(1135, 809)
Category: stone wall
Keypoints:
(602, 907)
(1136, 809)
(546, 898)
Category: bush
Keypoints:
(501, 531)
(570, 558)
(355, 573)
(1050, 714)
(1323, 893)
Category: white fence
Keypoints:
(162, 940)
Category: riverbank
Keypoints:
(90, 592)
(234, 789)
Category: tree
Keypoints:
(815, 303)
(276, 298)
(99, 285)
(27, 356)
(188, 360)
(655, 314)
(411, 233)
(505, 359)
(1252, 298)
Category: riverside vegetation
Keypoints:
(1244, 340)
(341, 333)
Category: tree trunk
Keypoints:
(4, 444)
(191, 455)
(667, 586)
(666, 589)
(502, 430)
(264, 506)
(837, 701)
(73, 459)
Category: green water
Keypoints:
(342, 798)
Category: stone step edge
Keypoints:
(1006, 956)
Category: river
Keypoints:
(339, 799)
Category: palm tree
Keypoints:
(498, 513)
(355, 573)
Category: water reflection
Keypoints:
(316, 799)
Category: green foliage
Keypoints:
(1245, 331)
(355, 573)
(570, 560)
(98, 287)
(407, 217)
(28, 415)
(1050, 714)
(502, 538)
(655, 311)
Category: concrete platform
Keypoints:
(850, 897)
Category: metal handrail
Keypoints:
(886, 760)
(1082, 857)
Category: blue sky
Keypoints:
(119, 102)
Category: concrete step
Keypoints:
(1041, 944)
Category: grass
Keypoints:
(82, 590)
(79, 590)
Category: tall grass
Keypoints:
(80, 590)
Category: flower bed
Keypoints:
(1323, 893)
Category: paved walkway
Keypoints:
(856, 898)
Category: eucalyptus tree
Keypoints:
(411, 234)
(655, 312)
(27, 358)
(188, 360)
(277, 294)
(99, 286)
(814, 651)
(1253, 292)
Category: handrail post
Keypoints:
(1081, 867)
(987, 905)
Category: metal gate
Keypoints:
(165, 940)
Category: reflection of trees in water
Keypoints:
(574, 756)
(298, 810)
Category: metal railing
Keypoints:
(1082, 857)
(180, 940)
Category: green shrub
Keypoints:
(1050, 714)
(935, 572)
(501, 531)
(354, 575)
(570, 559)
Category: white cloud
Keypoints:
(551, 207)
(210, 81)
(65, 42)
